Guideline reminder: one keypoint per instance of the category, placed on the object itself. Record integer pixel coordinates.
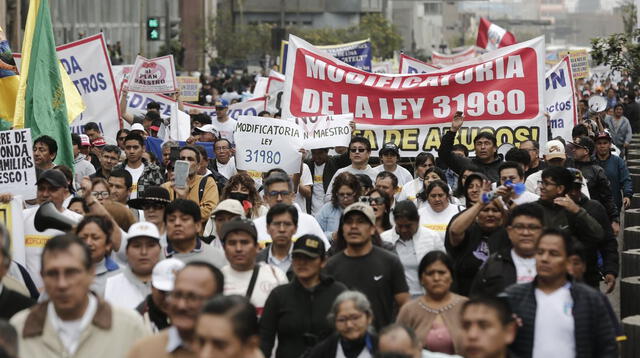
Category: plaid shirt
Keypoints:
(151, 175)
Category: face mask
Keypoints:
(239, 196)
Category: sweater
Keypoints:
(298, 317)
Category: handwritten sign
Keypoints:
(17, 169)
(325, 131)
(155, 75)
(266, 143)
(189, 88)
(579, 62)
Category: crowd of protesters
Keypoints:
(485, 256)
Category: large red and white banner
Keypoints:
(492, 36)
(409, 64)
(500, 92)
(560, 99)
(440, 59)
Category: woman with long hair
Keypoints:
(242, 188)
(345, 191)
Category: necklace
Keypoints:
(438, 310)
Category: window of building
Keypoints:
(432, 8)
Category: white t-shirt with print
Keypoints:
(525, 268)
(554, 323)
(237, 283)
(438, 222)
(135, 176)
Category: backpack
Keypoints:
(220, 180)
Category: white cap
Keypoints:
(555, 149)
(209, 128)
(232, 206)
(164, 274)
(137, 127)
(143, 229)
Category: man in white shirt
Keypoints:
(225, 163)
(389, 156)
(52, 186)
(74, 322)
(279, 189)
(240, 240)
(359, 154)
(130, 287)
(223, 123)
(553, 308)
(282, 223)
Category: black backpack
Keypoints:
(221, 181)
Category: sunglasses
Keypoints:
(122, 138)
(276, 193)
(357, 150)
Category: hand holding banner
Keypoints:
(155, 75)
(266, 143)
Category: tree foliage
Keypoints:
(620, 51)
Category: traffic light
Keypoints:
(153, 29)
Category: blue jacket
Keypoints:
(616, 170)
(621, 134)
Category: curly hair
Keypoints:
(244, 180)
(344, 179)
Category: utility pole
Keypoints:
(142, 28)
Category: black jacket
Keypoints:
(595, 335)
(581, 225)
(12, 302)
(608, 247)
(459, 164)
(599, 187)
(329, 347)
(330, 168)
(298, 317)
(496, 274)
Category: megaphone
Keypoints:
(48, 217)
(597, 104)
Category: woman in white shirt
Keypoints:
(439, 211)
(430, 175)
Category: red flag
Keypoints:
(492, 36)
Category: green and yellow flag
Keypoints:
(8, 84)
(47, 101)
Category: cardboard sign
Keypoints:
(17, 168)
(88, 65)
(325, 131)
(189, 88)
(440, 59)
(153, 75)
(579, 62)
(357, 54)
(501, 92)
(409, 64)
(560, 99)
(266, 143)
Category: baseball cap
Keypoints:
(221, 102)
(207, 128)
(164, 272)
(232, 206)
(577, 175)
(389, 148)
(240, 224)
(137, 127)
(309, 245)
(585, 143)
(604, 135)
(99, 142)
(143, 229)
(84, 140)
(555, 149)
(53, 177)
(364, 209)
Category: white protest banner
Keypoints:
(260, 89)
(88, 65)
(440, 59)
(265, 143)
(120, 75)
(325, 131)
(274, 90)
(11, 218)
(499, 92)
(560, 99)
(17, 169)
(382, 67)
(409, 64)
(137, 103)
(189, 87)
(196, 108)
(153, 75)
(250, 107)
(179, 126)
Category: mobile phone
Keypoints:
(181, 171)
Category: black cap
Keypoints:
(153, 195)
(309, 245)
(53, 177)
(585, 143)
(389, 147)
(239, 224)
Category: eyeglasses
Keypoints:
(542, 183)
(377, 201)
(357, 150)
(100, 194)
(275, 194)
(122, 138)
(523, 227)
(221, 148)
(190, 298)
(352, 318)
